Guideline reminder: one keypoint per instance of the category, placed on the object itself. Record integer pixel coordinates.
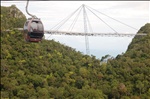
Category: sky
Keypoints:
(133, 13)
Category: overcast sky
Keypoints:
(133, 13)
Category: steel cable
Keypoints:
(113, 18)
(102, 20)
(74, 22)
(64, 21)
(27, 10)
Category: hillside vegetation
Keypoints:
(50, 70)
(11, 17)
(132, 68)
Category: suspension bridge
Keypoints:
(87, 27)
(88, 31)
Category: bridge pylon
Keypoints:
(85, 30)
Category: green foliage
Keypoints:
(46, 70)
(133, 66)
(11, 17)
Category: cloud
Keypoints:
(131, 9)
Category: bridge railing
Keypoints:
(52, 32)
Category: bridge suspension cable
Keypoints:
(64, 21)
(89, 24)
(112, 18)
(102, 20)
(74, 21)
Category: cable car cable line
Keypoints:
(27, 10)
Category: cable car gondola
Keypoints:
(33, 28)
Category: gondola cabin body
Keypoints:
(33, 30)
